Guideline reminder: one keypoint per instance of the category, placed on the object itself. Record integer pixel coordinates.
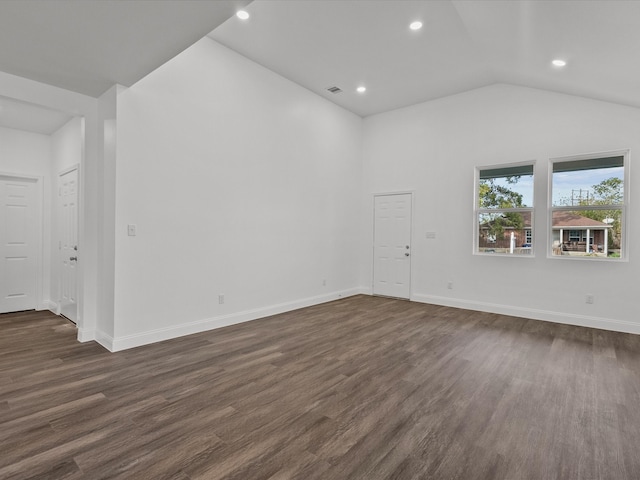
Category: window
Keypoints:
(527, 235)
(588, 202)
(574, 235)
(504, 210)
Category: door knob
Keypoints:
(73, 258)
(406, 254)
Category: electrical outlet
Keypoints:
(450, 285)
(589, 298)
(221, 298)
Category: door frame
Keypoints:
(40, 233)
(58, 215)
(373, 235)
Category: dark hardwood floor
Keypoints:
(362, 388)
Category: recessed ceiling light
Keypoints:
(417, 25)
(361, 89)
(242, 14)
(558, 63)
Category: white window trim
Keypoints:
(624, 207)
(477, 210)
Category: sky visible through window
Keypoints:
(567, 185)
(523, 186)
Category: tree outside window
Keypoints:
(591, 189)
(504, 210)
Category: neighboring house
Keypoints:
(571, 233)
(575, 233)
(522, 238)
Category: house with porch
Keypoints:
(572, 234)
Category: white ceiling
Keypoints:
(29, 117)
(88, 45)
(462, 45)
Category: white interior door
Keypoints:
(68, 243)
(392, 245)
(20, 233)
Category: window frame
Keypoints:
(477, 211)
(623, 207)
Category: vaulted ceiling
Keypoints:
(463, 44)
(87, 46)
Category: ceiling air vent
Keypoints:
(334, 89)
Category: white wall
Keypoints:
(240, 183)
(433, 148)
(27, 153)
(66, 146)
(24, 152)
(107, 116)
(66, 152)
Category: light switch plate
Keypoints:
(131, 230)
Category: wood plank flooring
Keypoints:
(361, 388)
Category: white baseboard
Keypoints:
(55, 307)
(102, 338)
(48, 305)
(85, 335)
(130, 341)
(534, 314)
